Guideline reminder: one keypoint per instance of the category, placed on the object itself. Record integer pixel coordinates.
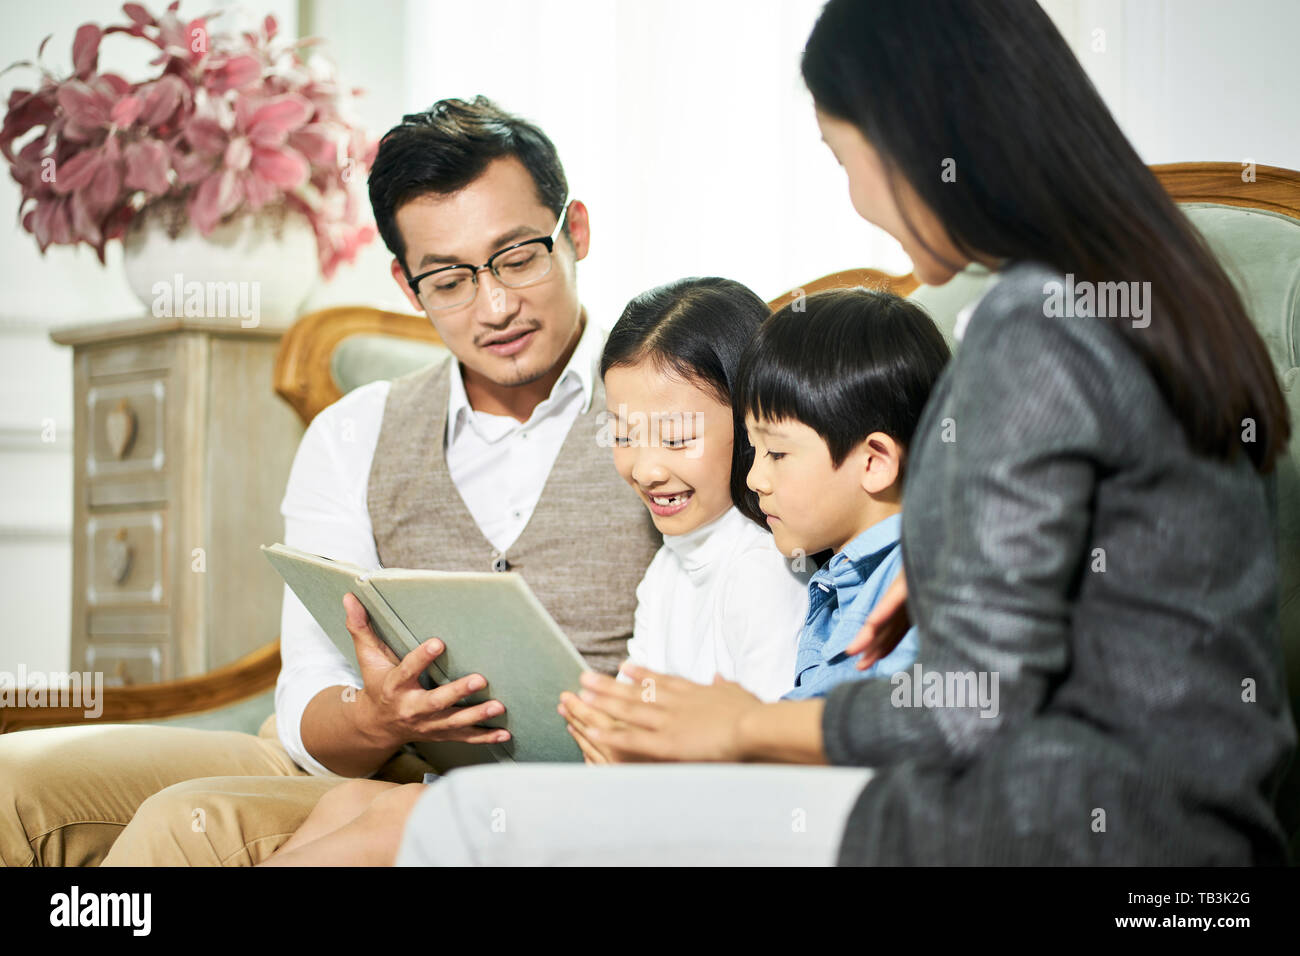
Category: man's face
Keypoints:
(508, 336)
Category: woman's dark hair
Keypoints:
(447, 147)
(696, 329)
(846, 363)
(1044, 173)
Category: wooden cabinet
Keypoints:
(182, 450)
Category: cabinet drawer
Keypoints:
(136, 354)
(138, 662)
(126, 454)
(126, 559)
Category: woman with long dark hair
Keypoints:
(1088, 549)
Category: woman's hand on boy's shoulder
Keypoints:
(662, 717)
(885, 626)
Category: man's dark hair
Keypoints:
(852, 362)
(447, 147)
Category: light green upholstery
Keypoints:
(360, 359)
(245, 715)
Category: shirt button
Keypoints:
(519, 514)
(499, 563)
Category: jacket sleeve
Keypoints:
(1005, 483)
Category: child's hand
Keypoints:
(661, 717)
(884, 627)
(580, 717)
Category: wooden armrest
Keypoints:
(302, 366)
(252, 674)
(847, 279)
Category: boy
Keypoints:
(831, 391)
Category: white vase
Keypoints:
(255, 269)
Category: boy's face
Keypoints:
(672, 443)
(505, 337)
(811, 505)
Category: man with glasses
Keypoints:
(488, 460)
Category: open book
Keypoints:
(491, 623)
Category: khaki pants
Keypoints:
(142, 795)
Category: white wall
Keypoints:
(1189, 80)
(683, 126)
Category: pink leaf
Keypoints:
(271, 124)
(138, 14)
(216, 196)
(83, 105)
(206, 135)
(104, 188)
(26, 111)
(238, 154)
(111, 85)
(316, 143)
(146, 167)
(191, 167)
(197, 40)
(260, 191)
(60, 228)
(37, 222)
(84, 225)
(160, 102)
(236, 72)
(285, 168)
(85, 49)
(78, 172)
(270, 26)
(125, 111)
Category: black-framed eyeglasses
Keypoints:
(515, 266)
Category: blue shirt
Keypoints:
(840, 596)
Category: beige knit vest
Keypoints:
(583, 551)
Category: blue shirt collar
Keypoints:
(858, 559)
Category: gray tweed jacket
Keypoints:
(1117, 592)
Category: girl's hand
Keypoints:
(667, 718)
(884, 627)
(579, 718)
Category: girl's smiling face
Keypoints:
(672, 443)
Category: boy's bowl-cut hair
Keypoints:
(846, 363)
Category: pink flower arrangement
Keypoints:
(230, 123)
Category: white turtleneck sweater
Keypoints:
(721, 599)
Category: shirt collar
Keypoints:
(861, 555)
(698, 548)
(579, 373)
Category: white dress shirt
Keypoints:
(721, 599)
(499, 465)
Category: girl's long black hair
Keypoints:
(1044, 173)
(696, 329)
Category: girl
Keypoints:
(718, 599)
(1117, 732)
